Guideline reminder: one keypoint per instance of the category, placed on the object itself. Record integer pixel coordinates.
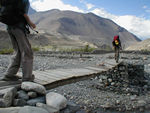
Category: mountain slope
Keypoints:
(68, 28)
(85, 27)
(143, 45)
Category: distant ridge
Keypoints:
(85, 27)
(69, 28)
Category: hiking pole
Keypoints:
(34, 30)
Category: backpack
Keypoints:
(9, 12)
(116, 40)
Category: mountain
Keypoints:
(84, 27)
(68, 28)
(31, 11)
(143, 45)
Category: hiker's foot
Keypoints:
(10, 78)
(29, 79)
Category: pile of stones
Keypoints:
(32, 98)
(125, 78)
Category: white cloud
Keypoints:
(144, 7)
(148, 10)
(89, 6)
(43, 5)
(136, 25)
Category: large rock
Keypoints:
(7, 96)
(48, 108)
(22, 95)
(29, 109)
(19, 102)
(56, 100)
(30, 86)
(10, 110)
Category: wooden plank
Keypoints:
(95, 68)
(47, 76)
(59, 74)
(41, 76)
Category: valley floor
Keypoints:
(84, 93)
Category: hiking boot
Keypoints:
(10, 78)
(29, 79)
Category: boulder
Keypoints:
(30, 86)
(48, 108)
(19, 102)
(29, 109)
(10, 110)
(7, 96)
(22, 95)
(56, 100)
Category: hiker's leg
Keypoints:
(26, 53)
(115, 53)
(15, 59)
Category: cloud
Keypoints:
(89, 6)
(144, 7)
(136, 25)
(43, 5)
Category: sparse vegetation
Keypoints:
(35, 48)
(86, 48)
(6, 51)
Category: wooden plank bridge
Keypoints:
(57, 77)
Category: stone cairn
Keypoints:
(125, 78)
(31, 98)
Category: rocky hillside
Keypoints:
(68, 28)
(83, 27)
(143, 45)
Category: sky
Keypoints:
(133, 15)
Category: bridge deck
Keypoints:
(58, 77)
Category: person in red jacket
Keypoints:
(117, 46)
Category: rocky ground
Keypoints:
(94, 95)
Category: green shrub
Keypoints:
(86, 48)
(6, 51)
(35, 48)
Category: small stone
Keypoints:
(144, 58)
(117, 101)
(107, 105)
(141, 103)
(100, 80)
(32, 94)
(109, 80)
(113, 83)
(133, 97)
